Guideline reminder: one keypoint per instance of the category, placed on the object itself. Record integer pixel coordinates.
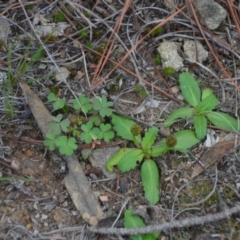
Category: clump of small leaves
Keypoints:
(157, 59)
(147, 148)
(102, 106)
(156, 32)
(55, 139)
(168, 71)
(141, 91)
(135, 221)
(59, 17)
(58, 103)
(201, 110)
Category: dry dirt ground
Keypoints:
(34, 202)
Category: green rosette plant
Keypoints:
(147, 148)
(201, 110)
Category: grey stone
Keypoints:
(191, 53)
(211, 14)
(169, 55)
(4, 29)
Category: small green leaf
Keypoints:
(102, 105)
(206, 105)
(206, 92)
(82, 103)
(183, 112)
(200, 125)
(133, 221)
(59, 104)
(224, 121)
(51, 97)
(150, 181)
(55, 127)
(58, 118)
(185, 140)
(61, 141)
(190, 89)
(130, 160)
(106, 133)
(89, 133)
(50, 142)
(123, 126)
(159, 149)
(149, 138)
(96, 120)
(116, 158)
(64, 125)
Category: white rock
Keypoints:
(169, 55)
(191, 53)
(211, 14)
(62, 74)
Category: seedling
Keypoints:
(169, 71)
(102, 106)
(127, 159)
(141, 91)
(59, 17)
(201, 110)
(134, 221)
(57, 102)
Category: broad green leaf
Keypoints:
(183, 112)
(206, 105)
(149, 138)
(116, 158)
(224, 121)
(206, 92)
(130, 160)
(185, 140)
(123, 126)
(133, 221)
(150, 181)
(159, 149)
(189, 88)
(200, 125)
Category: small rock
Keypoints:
(62, 74)
(211, 14)
(100, 156)
(65, 204)
(59, 215)
(192, 53)
(169, 55)
(4, 29)
(61, 198)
